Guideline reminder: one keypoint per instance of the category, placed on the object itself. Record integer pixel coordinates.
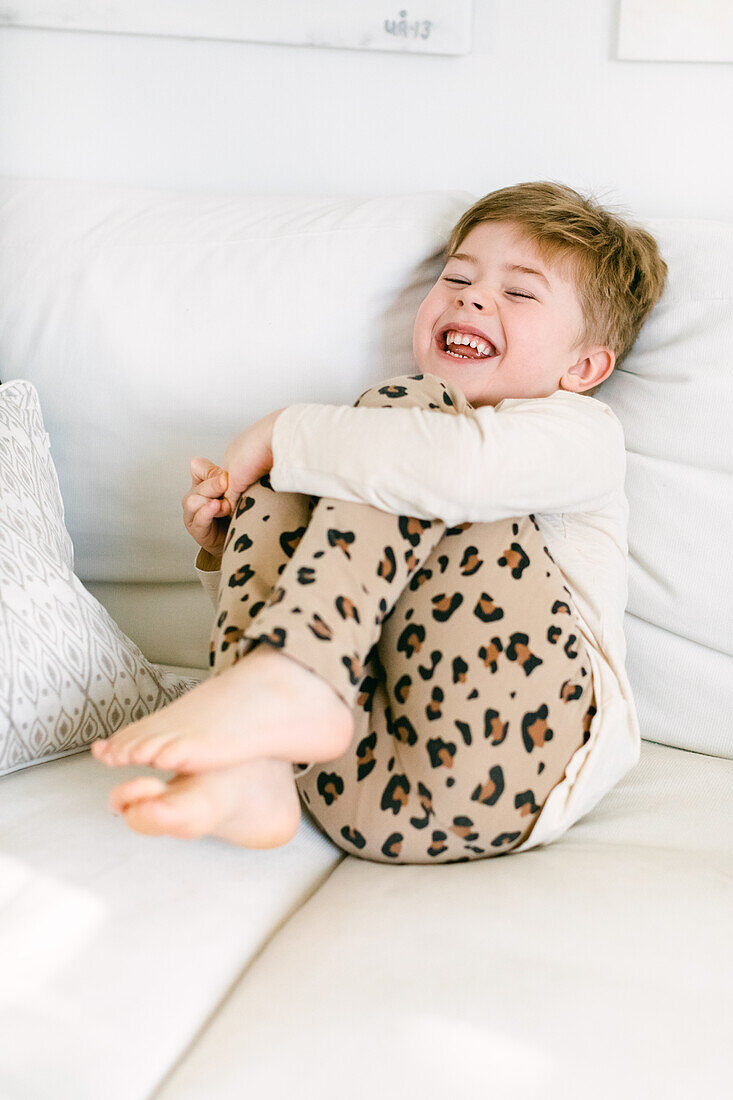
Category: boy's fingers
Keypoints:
(203, 469)
(201, 509)
(214, 486)
(231, 497)
(210, 489)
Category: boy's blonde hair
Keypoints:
(616, 266)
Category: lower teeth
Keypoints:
(457, 355)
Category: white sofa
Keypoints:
(154, 324)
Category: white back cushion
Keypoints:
(155, 324)
(674, 397)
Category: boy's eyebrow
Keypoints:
(507, 267)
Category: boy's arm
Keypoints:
(562, 453)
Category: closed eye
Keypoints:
(513, 293)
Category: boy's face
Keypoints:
(532, 322)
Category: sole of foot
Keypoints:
(265, 706)
(253, 805)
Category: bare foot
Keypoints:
(265, 706)
(254, 805)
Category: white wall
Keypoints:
(541, 96)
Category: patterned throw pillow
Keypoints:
(68, 674)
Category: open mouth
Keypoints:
(464, 352)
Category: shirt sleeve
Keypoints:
(561, 453)
(209, 574)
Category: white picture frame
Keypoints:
(416, 26)
(676, 30)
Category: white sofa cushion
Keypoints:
(674, 397)
(156, 323)
(118, 948)
(136, 966)
(598, 967)
(68, 674)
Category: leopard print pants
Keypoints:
(455, 647)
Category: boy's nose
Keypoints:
(485, 303)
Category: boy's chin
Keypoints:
(460, 376)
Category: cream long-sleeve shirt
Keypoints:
(561, 458)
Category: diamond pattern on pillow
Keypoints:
(68, 674)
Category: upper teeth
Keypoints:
(453, 337)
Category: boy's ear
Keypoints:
(590, 371)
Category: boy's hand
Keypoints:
(249, 456)
(209, 504)
(206, 512)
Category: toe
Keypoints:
(181, 810)
(112, 750)
(133, 749)
(144, 786)
(175, 755)
(155, 751)
(103, 748)
(129, 745)
(151, 817)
